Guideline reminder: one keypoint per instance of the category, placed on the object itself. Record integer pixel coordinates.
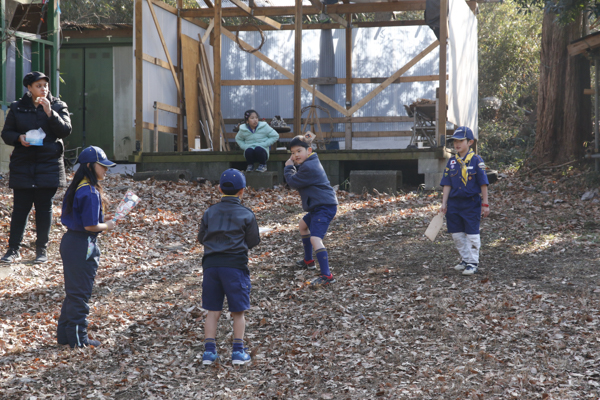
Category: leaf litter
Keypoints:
(400, 322)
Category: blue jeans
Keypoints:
(256, 155)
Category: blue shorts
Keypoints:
(225, 281)
(464, 215)
(318, 220)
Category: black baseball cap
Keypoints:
(33, 77)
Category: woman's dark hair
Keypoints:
(248, 113)
(84, 172)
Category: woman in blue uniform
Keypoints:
(83, 214)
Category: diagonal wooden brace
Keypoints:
(250, 11)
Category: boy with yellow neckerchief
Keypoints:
(465, 186)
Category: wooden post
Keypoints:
(155, 128)
(298, 69)
(139, 78)
(442, 112)
(348, 135)
(216, 131)
(180, 102)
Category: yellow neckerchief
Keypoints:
(86, 182)
(463, 164)
(229, 195)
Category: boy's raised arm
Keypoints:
(297, 178)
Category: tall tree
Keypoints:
(564, 114)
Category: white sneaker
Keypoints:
(461, 266)
(470, 269)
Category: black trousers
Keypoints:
(256, 155)
(80, 256)
(24, 199)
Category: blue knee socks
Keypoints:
(210, 345)
(323, 261)
(238, 345)
(307, 248)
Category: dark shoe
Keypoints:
(262, 168)
(11, 256)
(306, 264)
(250, 168)
(41, 256)
(88, 343)
(323, 280)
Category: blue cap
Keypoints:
(233, 176)
(94, 154)
(463, 133)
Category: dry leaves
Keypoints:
(400, 322)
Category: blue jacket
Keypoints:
(227, 231)
(264, 136)
(476, 178)
(311, 181)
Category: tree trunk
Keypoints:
(564, 119)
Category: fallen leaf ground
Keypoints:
(400, 322)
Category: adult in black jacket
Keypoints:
(36, 172)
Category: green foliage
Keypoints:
(97, 11)
(503, 145)
(509, 53)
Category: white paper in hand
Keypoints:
(434, 226)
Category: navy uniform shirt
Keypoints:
(87, 209)
(476, 177)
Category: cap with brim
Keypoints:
(233, 176)
(462, 133)
(94, 154)
(33, 77)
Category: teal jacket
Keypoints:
(264, 136)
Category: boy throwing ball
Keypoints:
(227, 231)
(465, 184)
(304, 172)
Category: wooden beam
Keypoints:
(348, 132)
(285, 72)
(161, 128)
(335, 17)
(298, 68)
(139, 77)
(208, 31)
(354, 120)
(395, 76)
(168, 108)
(326, 81)
(356, 134)
(180, 101)
(165, 48)
(442, 99)
(586, 43)
(329, 25)
(250, 11)
(158, 61)
(352, 8)
(165, 6)
(216, 131)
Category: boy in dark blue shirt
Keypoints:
(227, 231)
(465, 183)
(304, 172)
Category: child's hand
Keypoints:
(289, 162)
(444, 208)
(485, 211)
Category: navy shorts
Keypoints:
(225, 281)
(464, 215)
(318, 220)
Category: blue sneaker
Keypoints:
(240, 357)
(470, 269)
(262, 168)
(208, 358)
